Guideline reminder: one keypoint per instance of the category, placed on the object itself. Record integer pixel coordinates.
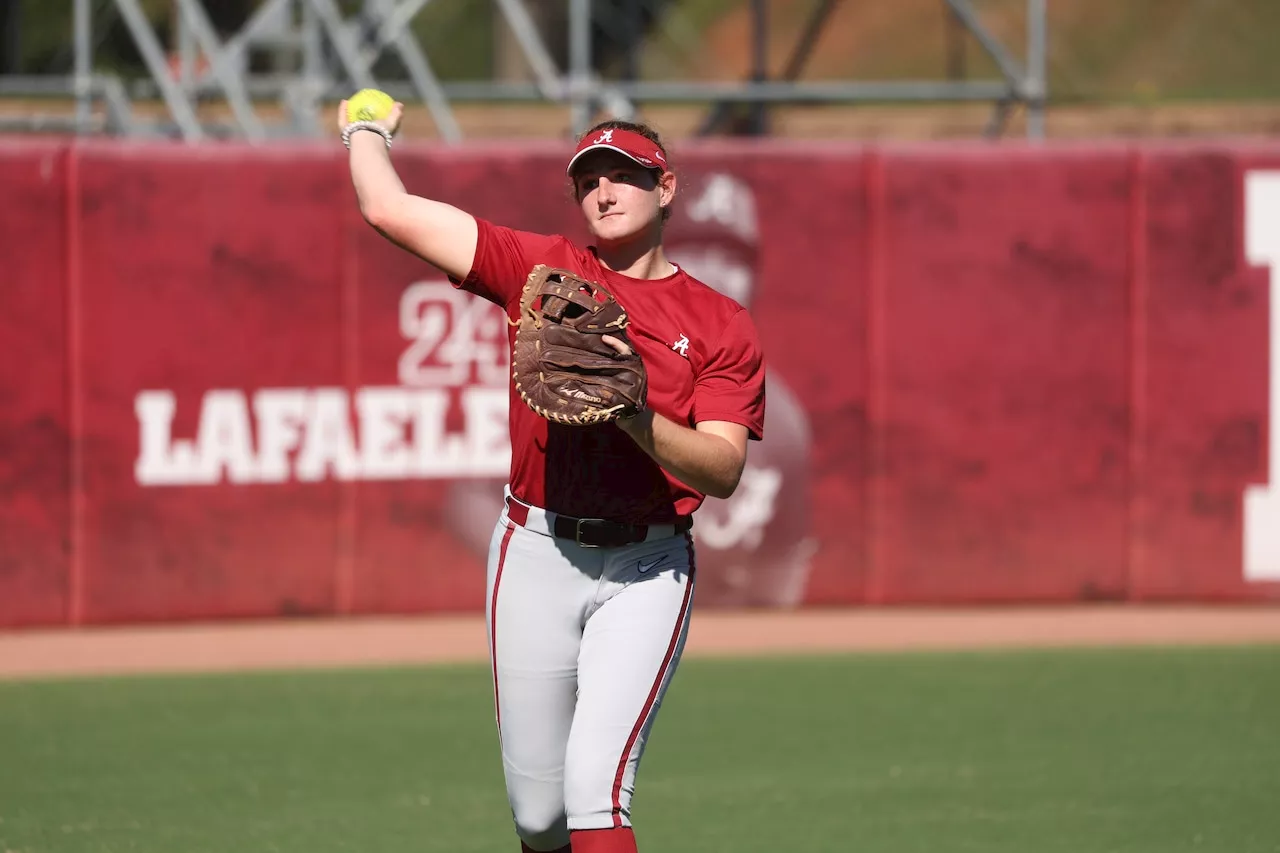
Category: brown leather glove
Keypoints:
(562, 368)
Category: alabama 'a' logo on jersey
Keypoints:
(682, 346)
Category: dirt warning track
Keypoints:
(453, 639)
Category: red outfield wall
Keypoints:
(996, 374)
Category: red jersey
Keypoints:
(703, 360)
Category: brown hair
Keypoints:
(634, 127)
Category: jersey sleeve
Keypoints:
(504, 257)
(731, 384)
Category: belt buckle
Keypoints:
(577, 533)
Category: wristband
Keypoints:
(364, 125)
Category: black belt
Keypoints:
(597, 532)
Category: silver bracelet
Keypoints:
(365, 125)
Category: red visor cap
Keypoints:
(626, 142)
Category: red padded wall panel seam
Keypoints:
(75, 388)
(348, 510)
(1139, 284)
(877, 417)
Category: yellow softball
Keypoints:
(369, 105)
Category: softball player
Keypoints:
(591, 564)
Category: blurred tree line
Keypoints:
(1099, 50)
(465, 39)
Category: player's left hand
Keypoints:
(621, 346)
(632, 423)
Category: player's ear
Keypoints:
(666, 188)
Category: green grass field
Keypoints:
(1141, 751)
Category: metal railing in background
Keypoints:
(339, 51)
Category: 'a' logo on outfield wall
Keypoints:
(1262, 502)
